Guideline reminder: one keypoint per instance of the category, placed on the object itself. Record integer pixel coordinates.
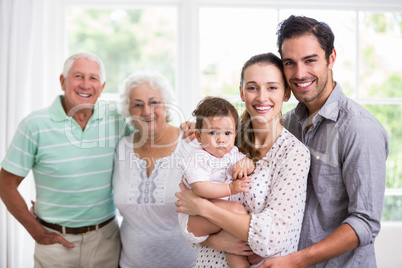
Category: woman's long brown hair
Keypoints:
(245, 139)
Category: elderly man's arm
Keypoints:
(17, 207)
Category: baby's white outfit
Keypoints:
(202, 166)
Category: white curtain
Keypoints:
(22, 90)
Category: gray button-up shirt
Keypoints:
(346, 182)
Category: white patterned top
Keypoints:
(276, 202)
(150, 232)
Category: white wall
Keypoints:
(388, 245)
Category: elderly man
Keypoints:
(69, 147)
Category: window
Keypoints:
(201, 46)
(223, 55)
(126, 39)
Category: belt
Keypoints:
(79, 230)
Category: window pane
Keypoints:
(228, 38)
(342, 24)
(127, 40)
(380, 45)
(392, 208)
(389, 116)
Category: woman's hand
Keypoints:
(189, 202)
(242, 168)
(224, 241)
(254, 259)
(32, 209)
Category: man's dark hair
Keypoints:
(297, 26)
(214, 106)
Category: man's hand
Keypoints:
(240, 185)
(18, 208)
(288, 261)
(49, 238)
(188, 130)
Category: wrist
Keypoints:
(231, 189)
(37, 232)
(301, 258)
(202, 207)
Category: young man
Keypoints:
(69, 147)
(348, 148)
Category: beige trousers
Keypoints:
(98, 248)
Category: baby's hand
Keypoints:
(240, 185)
(243, 168)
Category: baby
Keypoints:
(212, 166)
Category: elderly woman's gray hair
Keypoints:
(154, 80)
(86, 55)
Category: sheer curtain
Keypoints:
(22, 90)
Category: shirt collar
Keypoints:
(278, 143)
(57, 112)
(330, 110)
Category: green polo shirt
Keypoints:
(72, 167)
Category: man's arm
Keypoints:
(340, 241)
(17, 207)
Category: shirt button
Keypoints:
(318, 157)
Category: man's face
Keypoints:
(307, 71)
(82, 85)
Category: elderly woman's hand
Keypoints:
(189, 202)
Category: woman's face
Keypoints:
(147, 109)
(263, 91)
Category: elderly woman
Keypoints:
(146, 176)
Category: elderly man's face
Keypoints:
(82, 86)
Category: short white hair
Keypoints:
(156, 81)
(84, 55)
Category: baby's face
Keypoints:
(217, 135)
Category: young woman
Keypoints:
(276, 201)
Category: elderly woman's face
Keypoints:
(147, 109)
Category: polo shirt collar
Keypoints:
(57, 112)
